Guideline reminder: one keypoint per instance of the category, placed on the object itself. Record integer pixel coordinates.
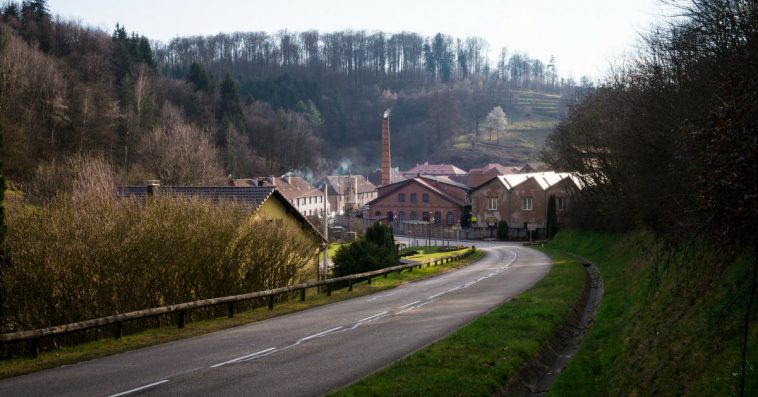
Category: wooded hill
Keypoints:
(197, 109)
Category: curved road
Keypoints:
(306, 353)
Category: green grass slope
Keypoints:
(532, 116)
(670, 323)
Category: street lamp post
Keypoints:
(429, 232)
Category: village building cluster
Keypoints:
(442, 196)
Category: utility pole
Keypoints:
(326, 232)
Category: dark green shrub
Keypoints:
(502, 230)
(552, 218)
(376, 250)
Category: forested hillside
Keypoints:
(246, 104)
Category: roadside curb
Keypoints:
(538, 374)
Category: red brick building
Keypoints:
(421, 198)
(521, 199)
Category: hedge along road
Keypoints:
(306, 353)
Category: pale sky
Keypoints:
(585, 36)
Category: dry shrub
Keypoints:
(83, 256)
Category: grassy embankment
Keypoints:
(104, 347)
(532, 116)
(479, 358)
(670, 322)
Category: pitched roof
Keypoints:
(435, 169)
(375, 176)
(338, 184)
(544, 179)
(428, 183)
(291, 187)
(254, 196)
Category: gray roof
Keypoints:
(254, 195)
(337, 184)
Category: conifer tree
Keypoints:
(552, 217)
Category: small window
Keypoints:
(401, 198)
(560, 203)
(492, 203)
(378, 214)
(413, 197)
(425, 197)
(527, 203)
(450, 218)
(401, 216)
(437, 217)
(413, 216)
(425, 216)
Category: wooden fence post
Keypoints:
(271, 302)
(302, 295)
(119, 330)
(182, 319)
(230, 310)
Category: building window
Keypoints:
(450, 219)
(413, 215)
(527, 203)
(425, 197)
(390, 216)
(425, 216)
(437, 217)
(560, 203)
(401, 198)
(401, 216)
(492, 203)
(413, 197)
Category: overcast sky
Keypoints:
(584, 35)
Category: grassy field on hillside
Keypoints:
(532, 116)
(669, 324)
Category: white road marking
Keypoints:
(372, 317)
(124, 393)
(318, 334)
(253, 355)
(340, 329)
(408, 304)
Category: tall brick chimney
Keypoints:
(386, 159)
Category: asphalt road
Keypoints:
(306, 353)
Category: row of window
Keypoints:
(414, 198)
(308, 200)
(425, 216)
(527, 203)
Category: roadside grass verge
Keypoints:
(479, 358)
(425, 253)
(154, 336)
(670, 322)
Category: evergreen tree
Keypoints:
(552, 217)
(502, 230)
(376, 250)
(200, 78)
(230, 106)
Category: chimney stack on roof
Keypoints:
(386, 159)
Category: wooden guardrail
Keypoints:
(36, 335)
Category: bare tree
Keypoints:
(178, 152)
